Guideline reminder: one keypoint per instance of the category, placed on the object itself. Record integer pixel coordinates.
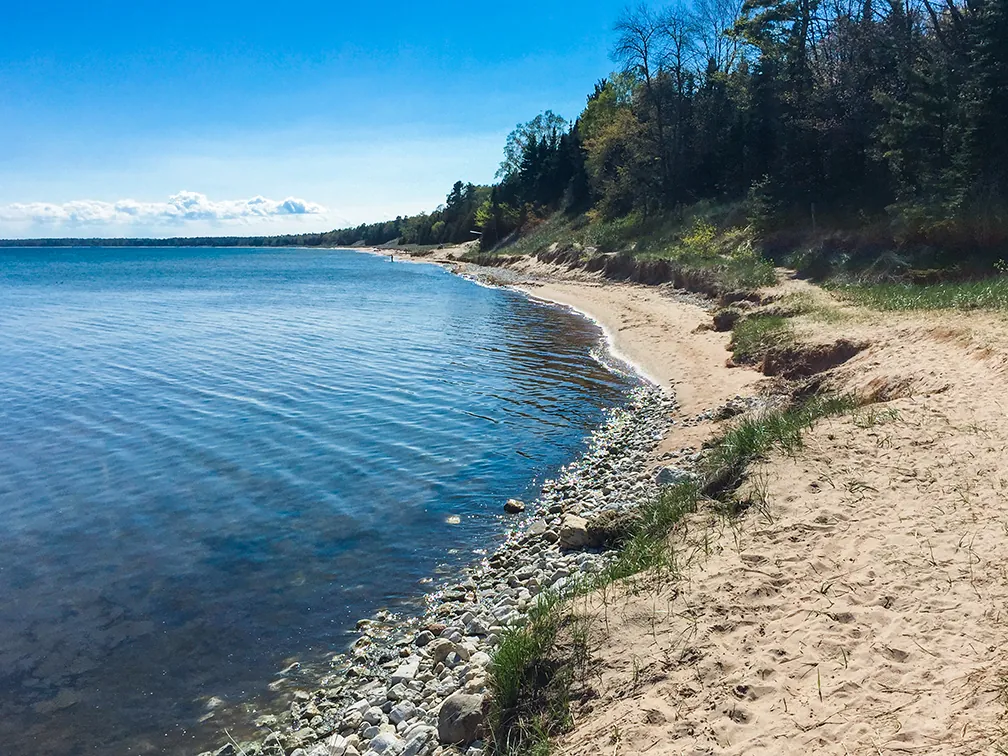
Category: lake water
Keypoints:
(213, 461)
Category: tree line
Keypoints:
(846, 113)
(850, 111)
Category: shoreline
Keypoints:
(387, 689)
(886, 525)
(552, 536)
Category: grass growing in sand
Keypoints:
(536, 666)
(533, 672)
(753, 336)
(988, 294)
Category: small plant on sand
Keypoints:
(754, 336)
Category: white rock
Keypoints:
(406, 671)
(573, 532)
(386, 743)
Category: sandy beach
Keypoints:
(858, 608)
(865, 609)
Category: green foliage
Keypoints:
(754, 437)
(988, 294)
(753, 336)
(699, 240)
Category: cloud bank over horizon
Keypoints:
(181, 208)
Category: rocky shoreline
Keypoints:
(418, 686)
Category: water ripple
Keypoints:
(212, 461)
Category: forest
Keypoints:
(886, 121)
(870, 125)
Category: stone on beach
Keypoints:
(573, 533)
(440, 649)
(406, 671)
(386, 743)
(404, 710)
(460, 719)
(514, 506)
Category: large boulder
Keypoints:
(514, 506)
(461, 719)
(573, 533)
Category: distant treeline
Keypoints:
(452, 223)
(888, 114)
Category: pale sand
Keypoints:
(865, 609)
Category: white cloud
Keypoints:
(181, 207)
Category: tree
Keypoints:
(525, 137)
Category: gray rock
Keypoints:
(403, 710)
(537, 528)
(514, 506)
(374, 716)
(671, 476)
(416, 739)
(424, 638)
(386, 743)
(573, 533)
(406, 671)
(461, 719)
(440, 649)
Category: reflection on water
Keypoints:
(214, 460)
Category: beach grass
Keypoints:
(985, 294)
(753, 336)
(532, 675)
(536, 666)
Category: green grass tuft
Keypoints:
(988, 294)
(752, 337)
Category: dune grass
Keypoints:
(753, 336)
(986, 294)
(536, 665)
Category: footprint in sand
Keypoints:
(895, 654)
(739, 716)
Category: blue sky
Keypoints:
(176, 119)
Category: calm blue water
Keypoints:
(212, 461)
